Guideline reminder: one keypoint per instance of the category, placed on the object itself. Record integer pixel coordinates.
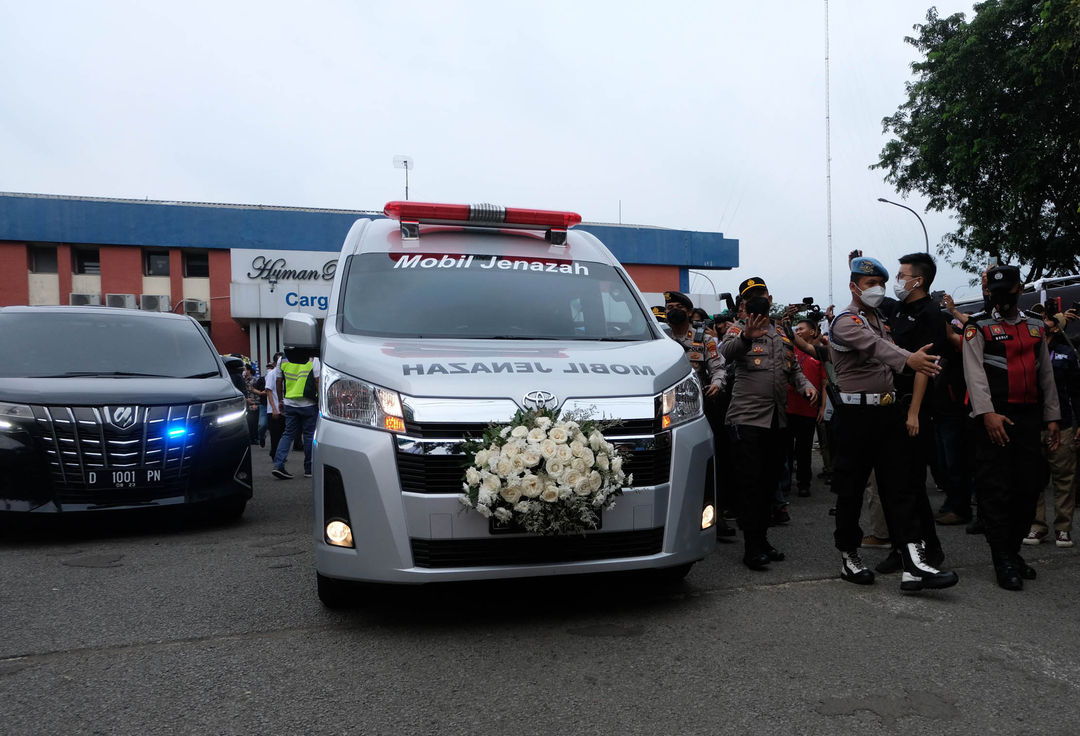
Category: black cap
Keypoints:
(660, 313)
(1002, 277)
(754, 282)
(679, 298)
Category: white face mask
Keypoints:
(873, 297)
(901, 293)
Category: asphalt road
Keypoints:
(154, 627)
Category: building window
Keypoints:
(155, 263)
(43, 259)
(86, 260)
(196, 265)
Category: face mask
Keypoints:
(676, 316)
(1003, 301)
(901, 293)
(758, 306)
(873, 296)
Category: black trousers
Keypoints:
(277, 428)
(872, 438)
(759, 460)
(1008, 481)
(921, 455)
(715, 410)
(801, 447)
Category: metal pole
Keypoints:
(925, 236)
(828, 159)
(406, 180)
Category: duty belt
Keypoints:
(869, 399)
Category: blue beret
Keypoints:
(863, 266)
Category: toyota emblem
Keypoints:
(122, 417)
(537, 400)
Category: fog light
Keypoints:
(708, 516)
(339, 534)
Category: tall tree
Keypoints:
(991, 130)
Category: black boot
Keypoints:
(853, 570)
(891, 563)
(1009, 577)
(919, 574)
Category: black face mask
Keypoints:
(676, 316)
(758, 305)
(1003, 301)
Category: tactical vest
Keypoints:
(1009, 358)
(296, 377)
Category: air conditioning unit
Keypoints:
(82, 300)
(122, 301)
(195, 307)
(155, 303)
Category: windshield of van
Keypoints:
(110, 343)
(483, 296)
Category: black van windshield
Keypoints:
(109, 343)
(489, 297)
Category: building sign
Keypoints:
(268, 284)
(269, 268)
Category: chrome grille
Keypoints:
(77, 439)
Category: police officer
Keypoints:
(764, 359)
(1011, 387)
(703, 353)
(870, 432)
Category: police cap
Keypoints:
(660, 313)
(679, 298)
(866, 266)
(1002, 277)
(754, 282)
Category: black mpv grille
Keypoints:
(77, 439)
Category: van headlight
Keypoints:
(12, 414)
(680, 403)
(226, 411)
(350, 400)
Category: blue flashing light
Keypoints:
(177, 431)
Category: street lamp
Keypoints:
(706, 277)
(925, 236)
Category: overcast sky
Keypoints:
(701, 116)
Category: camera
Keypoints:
(813, 311)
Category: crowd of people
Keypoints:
(895, 390)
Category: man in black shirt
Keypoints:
(916, 321)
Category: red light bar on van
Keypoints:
(411, 214)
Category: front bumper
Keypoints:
(220, 470)
(409, 537)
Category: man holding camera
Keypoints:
(703, 353)
(870, 432)
(764, 359)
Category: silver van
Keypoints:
(444, 319)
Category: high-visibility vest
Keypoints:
(296, 376)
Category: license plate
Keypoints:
(125, 478)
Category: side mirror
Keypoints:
(300, 331)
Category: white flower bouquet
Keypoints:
(544, 474)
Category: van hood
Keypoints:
(99, 391)
(510, 368)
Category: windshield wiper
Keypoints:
(208, 374)
(129, 374)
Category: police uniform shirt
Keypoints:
(704, 357)
(863, 352)
(764, 368)
(914, 324)
(1008, 330)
